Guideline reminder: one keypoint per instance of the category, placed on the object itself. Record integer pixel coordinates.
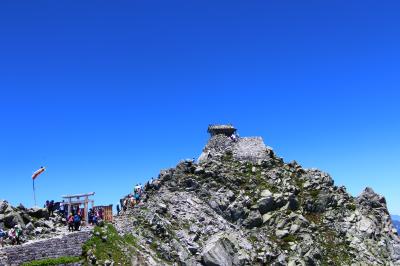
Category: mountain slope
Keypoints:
(242, 205)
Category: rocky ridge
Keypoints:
(35, 223)
(243, 205)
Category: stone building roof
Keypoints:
(227, 130)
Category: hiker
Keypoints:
(118, 209)
(62, 207)
(46, 205)
(132, 201)
(233, 138)
(50, 208)
(95, 220)
(125, 204)
(77, 222)
(71, 222)
(18, 233)
(3, 235)
(12, 234)
(101, 213)
(91, 215)
(137, 187)
(137, 197)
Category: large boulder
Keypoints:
(253, 220)
(266, 204)
(3, 206)
(38, 213)
(220, 251)
(12, 219)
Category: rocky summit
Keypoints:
(240, 204)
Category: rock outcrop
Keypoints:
(35, 222)
(243, 205)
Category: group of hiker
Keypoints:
(96, 216)
(74, 221)
(14, 234)
(133, 199)
(75, 217)
(50, 206)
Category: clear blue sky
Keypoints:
(107, 93)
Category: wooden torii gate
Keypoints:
(72, 200)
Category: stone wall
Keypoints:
(250, 149)
(243, 149)
(68, 245)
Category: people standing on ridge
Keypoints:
(3, 235)
(62, 207)
(50, 208)
(15, 234)
(18, 233)
(137, 188)
(70, 222)
(91, 216)
(12, 235)
(137, 198)
(77, 222)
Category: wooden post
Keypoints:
(69, 207)
(86, 210)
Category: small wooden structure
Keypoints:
(79, 200)
(227, 130)
(107, 212)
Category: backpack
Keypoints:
(77, 219)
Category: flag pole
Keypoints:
(34, 192)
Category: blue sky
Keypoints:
(105, 94)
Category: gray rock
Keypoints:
(30, 227)
(39, 213)
(281, 233)
(12, 219)
(266, 204)
(219, 251)
(253, 220)
(3, 206)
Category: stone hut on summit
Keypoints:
(227, 130)
(244, 149)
